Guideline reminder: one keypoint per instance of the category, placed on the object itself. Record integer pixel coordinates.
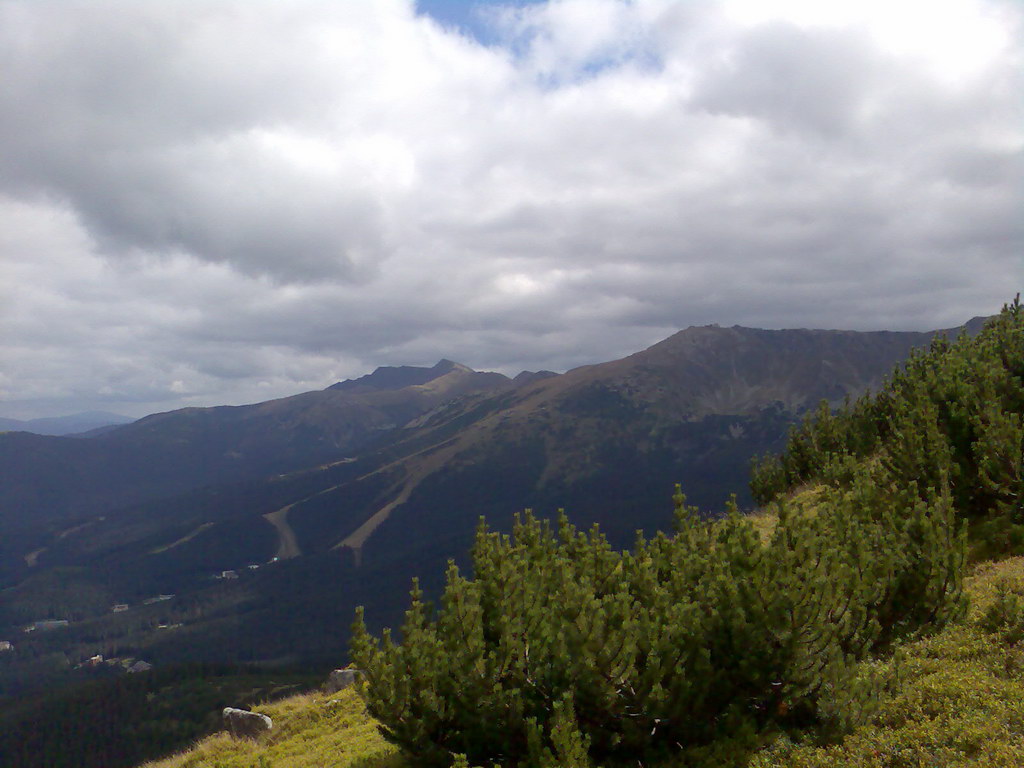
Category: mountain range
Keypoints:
(306, 506)
(85, 424)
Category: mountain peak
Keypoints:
(444, 365)
(526, 377)
(398, 377)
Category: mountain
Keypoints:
(340, 496)
(397, 377)
(606, 441)
(52, 479)
(74, 424)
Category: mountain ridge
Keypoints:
(175, 451)
(71, 424)
(398, 377)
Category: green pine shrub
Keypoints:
(1005, 616)
(561, 650)
(953, 415)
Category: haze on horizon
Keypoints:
(220, 202)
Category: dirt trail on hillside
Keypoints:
(431, 458)
(32, 558)
(287, 544)
(186, 538)
(358, 537)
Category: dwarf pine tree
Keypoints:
(953, 411)
(560, 643)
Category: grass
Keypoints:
(310, 731)
(954, 699)
(803, 501)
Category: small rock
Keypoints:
(340, 679)
(243, 724)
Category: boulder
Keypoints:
(341, 678)
(243, 724)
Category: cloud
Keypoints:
(227, 201)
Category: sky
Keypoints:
(226, 201)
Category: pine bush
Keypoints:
(953, 415)
(562, 649)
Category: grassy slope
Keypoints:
(310, 731)
(955, 699)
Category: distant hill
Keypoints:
(54, 478)
(73, 424)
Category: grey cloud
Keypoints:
(793, 78)
(146, 118)
(257, 218)
(980, 168)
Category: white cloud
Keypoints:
(227, 201)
